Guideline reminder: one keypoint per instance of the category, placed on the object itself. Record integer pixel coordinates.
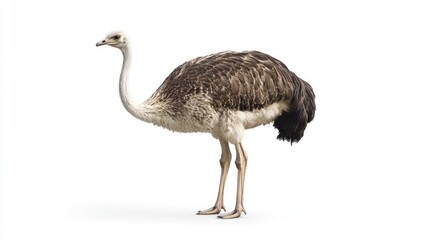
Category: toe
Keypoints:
(213, 210)
(233, 214)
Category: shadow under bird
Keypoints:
(224, 94)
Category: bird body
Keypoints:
(224, 94)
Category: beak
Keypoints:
(101, 43)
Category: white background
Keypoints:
(76, 165)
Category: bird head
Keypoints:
(114, 39)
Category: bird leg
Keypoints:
(241, 163)
(225, 161)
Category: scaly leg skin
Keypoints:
(225, 161)
(241, 163)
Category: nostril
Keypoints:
(100, 43)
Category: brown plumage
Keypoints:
(224, 94)
(243, 81)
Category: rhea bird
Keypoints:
(224, 94)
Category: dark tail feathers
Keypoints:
(291, 124)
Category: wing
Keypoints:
(237, 81)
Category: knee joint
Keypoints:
(224, 159)
(239, 164)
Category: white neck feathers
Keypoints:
(146, 111)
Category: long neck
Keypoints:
(146, 111)
(123, 84)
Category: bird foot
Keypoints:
(234, 214)
(212, 210)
